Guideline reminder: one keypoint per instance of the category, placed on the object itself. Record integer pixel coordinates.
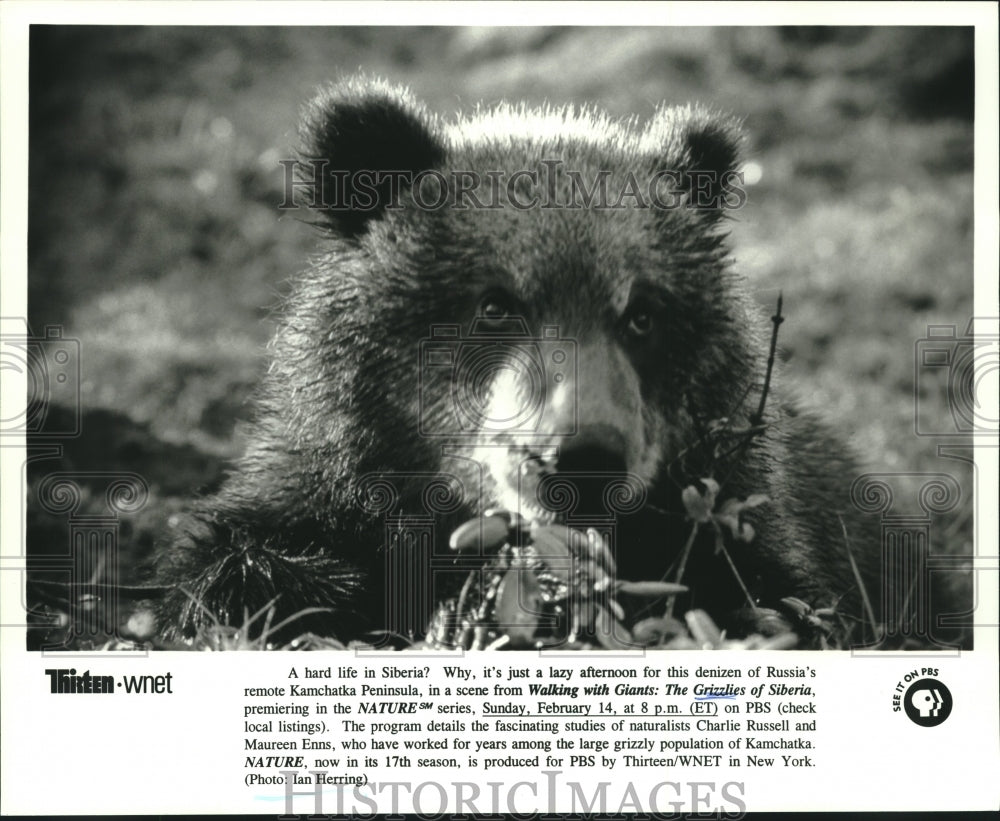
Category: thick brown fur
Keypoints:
(665, 340)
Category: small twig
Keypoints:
(741, 432)
(857, 577)
(479, 637)
(306, 611)
(466, 626)
(736, 575)
(685, 553)
(262, 639)
(748, 434)
(776, 321)
(497, 643)
(464, 595)
(145, 591)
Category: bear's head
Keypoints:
(544, 290)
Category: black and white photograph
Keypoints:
(553, 332)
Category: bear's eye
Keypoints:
(497, 306)
(493, 309)
(639, 321)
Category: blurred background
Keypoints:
(155, 237)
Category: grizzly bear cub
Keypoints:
(526, 310)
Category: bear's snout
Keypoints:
(598, 448)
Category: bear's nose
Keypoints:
(598, 449)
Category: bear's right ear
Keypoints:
(702, 148)
(363, 140)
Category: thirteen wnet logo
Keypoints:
(66, 681)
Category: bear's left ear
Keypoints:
(703, 151)
(363, 139)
